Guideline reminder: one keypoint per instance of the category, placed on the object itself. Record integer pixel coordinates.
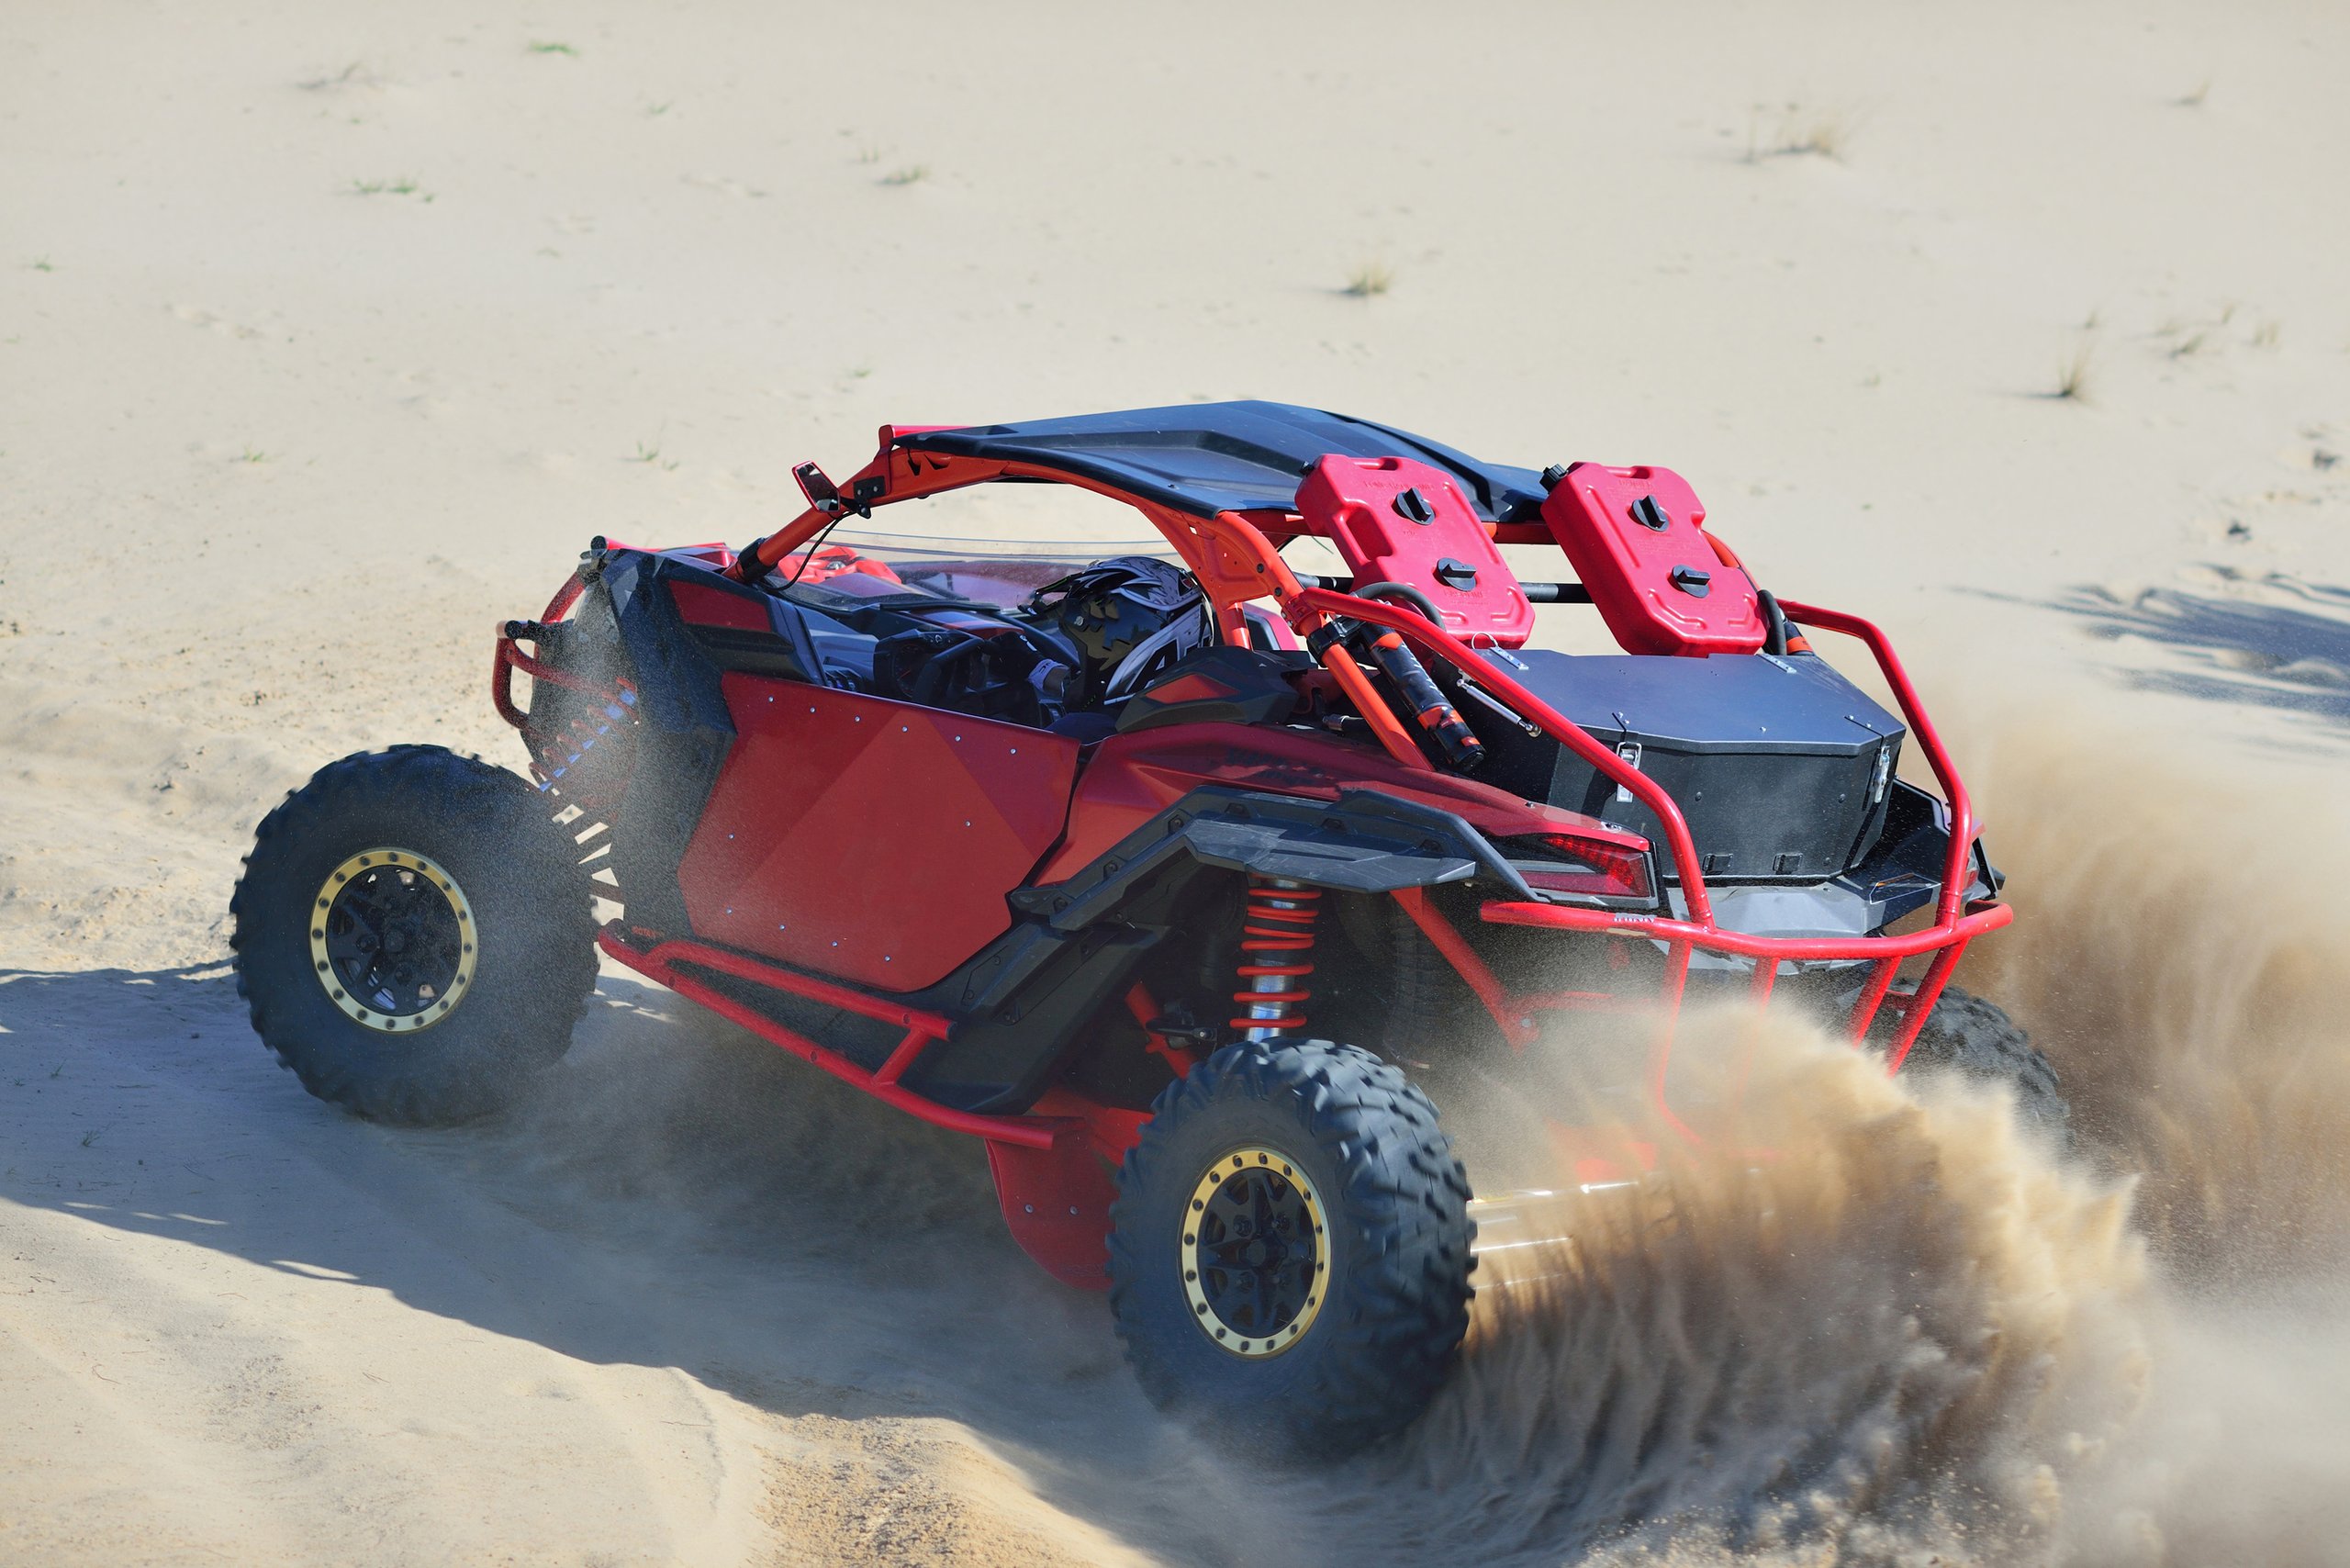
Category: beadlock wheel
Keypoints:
(1290, 1250)
(392, 940)
(414, 937)
(1253, 1253)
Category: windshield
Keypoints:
(1004, 582)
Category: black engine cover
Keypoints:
(1774, 760)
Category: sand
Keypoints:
(329, 333)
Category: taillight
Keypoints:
(1564, 863)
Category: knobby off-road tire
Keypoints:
(1968, 1035)
(1367, 1202)
(1426, 997)
(414, 935)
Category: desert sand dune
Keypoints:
(329, 333)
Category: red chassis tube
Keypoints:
(1050, 1178)
(659, 963)
(1049, 1164)
(1235, 561)
(509, 658)
(1946, 939)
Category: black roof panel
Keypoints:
(1205, 458)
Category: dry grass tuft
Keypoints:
(911, 174)
(354, 74)
(2198, 337)
(2073, 373)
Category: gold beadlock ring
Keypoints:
(468, 954)
(1229, 1336)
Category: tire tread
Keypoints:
(1403, 1203)
(467, 794)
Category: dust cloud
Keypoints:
(671, 1122)
(1878, 1323)
(2180, 951)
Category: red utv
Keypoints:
(1180, 885)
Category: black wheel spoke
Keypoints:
(393, 940)
(361, 903)
(1307, 1317)
(1255, 1253)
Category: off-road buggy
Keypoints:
(1102, 863)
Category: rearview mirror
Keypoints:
(822, 493)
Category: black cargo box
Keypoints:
(1780, 764)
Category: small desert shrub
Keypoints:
(2073, 373)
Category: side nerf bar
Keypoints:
(660, 963)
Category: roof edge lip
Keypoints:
(1205, 458)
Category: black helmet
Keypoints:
(1109, 610)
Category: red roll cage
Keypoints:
(1236, 558)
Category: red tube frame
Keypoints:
(659, 964)
(509, 658)
(1947, 938)
(1236, 562)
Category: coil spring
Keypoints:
(1276, 942)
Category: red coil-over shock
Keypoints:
(1276, 949)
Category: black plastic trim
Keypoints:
(1364, 841)
(678, 696)
(1020, 1001)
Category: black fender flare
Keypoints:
(1076, 941)
(1364, 841)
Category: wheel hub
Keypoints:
(392, 940)
(1255, 1252)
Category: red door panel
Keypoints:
(866, 839)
